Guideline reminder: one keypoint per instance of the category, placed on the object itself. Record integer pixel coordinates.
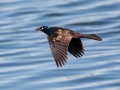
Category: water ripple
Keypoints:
(26, 61)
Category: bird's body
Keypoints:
(62, 40)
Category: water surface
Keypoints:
(26, 62)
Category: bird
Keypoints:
(63, 40)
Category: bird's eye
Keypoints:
(41, 28)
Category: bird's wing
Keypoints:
(59, 47)
(76, 47)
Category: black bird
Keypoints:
(62, 40)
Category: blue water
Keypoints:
(26, 62)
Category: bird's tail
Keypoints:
(91, 36)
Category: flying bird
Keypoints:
(62, 40)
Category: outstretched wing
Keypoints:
(59, 47)
(76, 47)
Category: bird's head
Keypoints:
(43, 29)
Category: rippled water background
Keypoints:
(26, 62)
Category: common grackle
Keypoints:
(62, 40)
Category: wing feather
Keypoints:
(59, 49)
(76, 47)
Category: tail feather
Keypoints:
(91, 36)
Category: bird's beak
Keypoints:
(37, 29)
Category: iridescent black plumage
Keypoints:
(62, 40)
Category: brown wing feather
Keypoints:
(59, 49)
(76, 47)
